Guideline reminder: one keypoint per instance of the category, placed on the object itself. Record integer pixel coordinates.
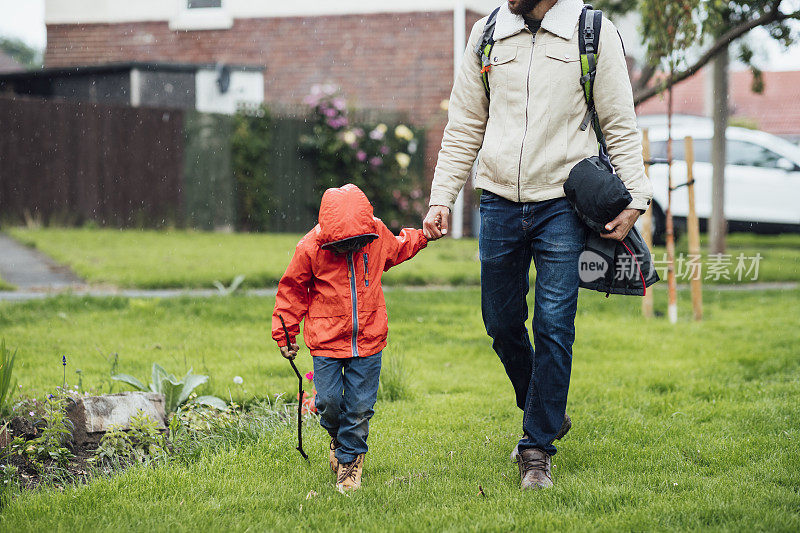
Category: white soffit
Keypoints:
(112, 11)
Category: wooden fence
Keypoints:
(68, 162)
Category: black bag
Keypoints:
(615, 267)
(607, 265)
(597, 195)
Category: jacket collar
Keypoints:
(560, 20)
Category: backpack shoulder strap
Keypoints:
(484, 49)
(589, 27)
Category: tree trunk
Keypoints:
(717, 227)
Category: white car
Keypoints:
(762, 177)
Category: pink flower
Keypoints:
(384, 149)
(376, 161)
(311, 100)
(310, 376)
(337, 123)
(361, 155)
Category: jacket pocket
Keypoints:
(503, 54)
(566, 53)
(563, 70)
(331, 332)
(503, 69)
(375, 326)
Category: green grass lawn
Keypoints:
(156, 259)
(152, 259)
(693, 426)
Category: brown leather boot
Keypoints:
(565, 427)
(334, 462)
(534, 469)
(349, 475)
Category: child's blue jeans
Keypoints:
(346, 393)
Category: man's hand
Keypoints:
(620, 226)
(436, 222)
(289, 352)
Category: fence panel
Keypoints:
(296, 204)
(71, 162)
(209, 195)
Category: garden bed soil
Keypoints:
(78, 468)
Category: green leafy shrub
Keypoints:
(50, 446)
(176, 392)
(143, 442)
(250, 154)
(385, 160)
(6, 383)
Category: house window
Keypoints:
(203, 4)
(201, 15)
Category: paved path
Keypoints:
(29, 269)
(25, 295)
(37, 276)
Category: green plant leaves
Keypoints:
(211, 401)
(6, 370)
(172, 390)
(130, 380)
(176, 392)
(157, 375)
(190, 382)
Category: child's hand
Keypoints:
(436, 222)
(289, 352)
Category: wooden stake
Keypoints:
(647, 222)
(672, 289)
(693, 229)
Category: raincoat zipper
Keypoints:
(354, 300)
(366, 271)
(525, 133)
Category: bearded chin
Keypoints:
(524, 7)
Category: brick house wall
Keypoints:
(398, 62)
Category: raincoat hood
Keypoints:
(345, 213)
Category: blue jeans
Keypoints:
(512, 234)
(346, 393)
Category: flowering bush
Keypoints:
(251, 153)
(384, 160)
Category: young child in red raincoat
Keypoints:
(333, 282)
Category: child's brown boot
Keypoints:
(349, 475)
(334, 462)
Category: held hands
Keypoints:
(620, 226)
(436, 222)
(289, 352)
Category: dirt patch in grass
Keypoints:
(78, 468)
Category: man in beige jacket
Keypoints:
(528, 133)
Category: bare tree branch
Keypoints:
(644, 78)
(643, 94)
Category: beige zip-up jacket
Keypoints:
(529, 134)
